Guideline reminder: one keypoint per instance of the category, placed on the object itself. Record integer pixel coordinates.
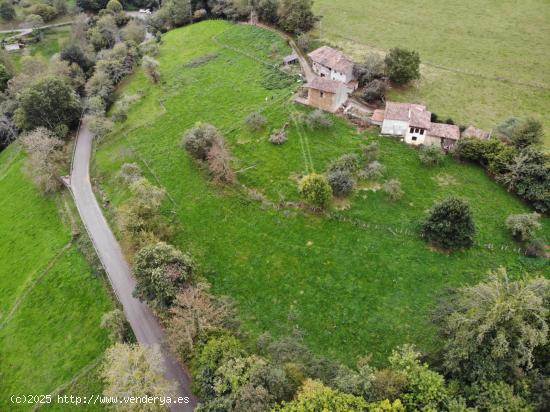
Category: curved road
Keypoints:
(145, 325)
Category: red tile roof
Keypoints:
(325, 85)
(419, 117)
(447, 131)
(378, 116)
(331, 58)
(415, 114)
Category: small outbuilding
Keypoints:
(326, 94)
(334, 65)
(13, 47)
(290, 59)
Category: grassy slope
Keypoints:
(352, 290)
(54, 332)
(493, 39)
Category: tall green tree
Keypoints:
(492, 329)
(402, 65)
(296, 16)
(526, 133)
(7, 12)
(49, 102)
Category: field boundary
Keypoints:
(34, 283)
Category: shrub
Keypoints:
(194, 312)
(480, 151)
(341, 182)
(200, 139)
(536, 248)
(371, 152)
(431, 155)
(100, 126)
(129, 173)
(161, 271)
(372, 68)
(256, 121)
(402, 65)
(393, 190)
(279, 136)
(219, 162)
(523, 226)
(135, 370)
(151, 68)
(373, 171)
(526, 133)
(7, 12)
(45, 155)
(346, 163)
(304, 41)
(449, 225)
(375, 91)
(318, 119)
(315, 190)
(116, 324)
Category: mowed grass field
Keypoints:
(51, 300)
(484, 61)
(356, 282)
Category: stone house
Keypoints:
(334, 65)
(326, 94)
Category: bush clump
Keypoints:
(341, 182)
(523, 226)
(346, 163)
(200, 139)
(318, 119)
(393, 190)
(450, 225)
(374, 170)
(315, 190)
(431, 155)
(256, 121)
(129, 173)
(371, 152)
(536, 248)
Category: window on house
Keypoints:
(421, 131)
(412, 129)
(322, 94)
(414, 138)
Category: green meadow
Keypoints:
(52, 300)
(355, 281)
(483, 61)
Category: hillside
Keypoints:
(483, 62)
(52, 300)
(360, 281)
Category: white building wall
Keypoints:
(415, 138)
(395, 127)
(341, 77)
(321, 70)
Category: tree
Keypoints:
(7, 12)
(5, 76)
(194, 312)
(296, 16)
(140, 217)
(393, 190)
(8, 132)
(219, 162)
(524, 226)
(492, 329)
(135, 370)
(375, 91)
(114, 6)
(341, 182)
(91, 5)
(45, 11)
(424, 389)
(73, 53)
(200, 139)
(526, 133)
(267, 11)
(314, 396)
(316, 190)
(161, 271)
(134, 31)
(44, 150)
(180, 12)
(449, 225)
(116, 324)
(49, 102)
(402, 65)
(371, 69)
(151, 69)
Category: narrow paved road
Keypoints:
(145, 325)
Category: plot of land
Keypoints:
(358, 282)
(52, 301)
(485, 61)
